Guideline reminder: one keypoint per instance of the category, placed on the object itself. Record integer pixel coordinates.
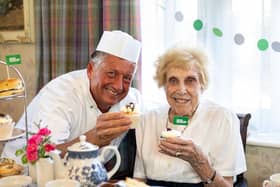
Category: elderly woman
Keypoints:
(208, 150)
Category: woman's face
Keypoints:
(183, 90)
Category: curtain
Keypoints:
(67, 32)
(242, 41)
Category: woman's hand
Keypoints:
(184, 149)
(190, 152)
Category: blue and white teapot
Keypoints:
(84, 164)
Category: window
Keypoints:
(244, 69)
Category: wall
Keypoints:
(263, 158)
(28, 71)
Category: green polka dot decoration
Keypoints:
(262, 44)
(238, 38)
(217, 32)
(197, 24)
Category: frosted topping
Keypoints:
(5, 119)
(130, 108)
(169, 133)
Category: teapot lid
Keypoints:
(82, 146)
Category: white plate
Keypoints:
(17, 133)
(15, 181)
(12, 95)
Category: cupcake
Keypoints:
(170, 133)
(133, 112)
(6, 126)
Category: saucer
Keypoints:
(17, 133)
(15, 181)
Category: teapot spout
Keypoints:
(60, 170)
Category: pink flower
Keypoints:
(44, 132)
(49, 147)
(32, 156)
(35, 139)
(37, 146)
(31, 148)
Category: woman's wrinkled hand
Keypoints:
(184, 149)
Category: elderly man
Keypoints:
(88, 101)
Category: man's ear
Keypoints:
(90, 68)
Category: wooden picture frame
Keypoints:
(26, 33)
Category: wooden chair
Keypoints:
(244, 122)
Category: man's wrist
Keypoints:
(211, 179)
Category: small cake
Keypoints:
(10, 87)
(6, 126)
(170, 133)
(133, 112)
(9, 167)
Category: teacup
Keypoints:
(63, 183)
(274, 181)
(6, 126)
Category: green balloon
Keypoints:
(262, 44)
(217, 32)
(198, 24)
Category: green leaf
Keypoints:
(19, 152)
(47, 140)
(24, 159)
(41, 152)
(31, 133)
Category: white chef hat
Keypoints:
(120, 44)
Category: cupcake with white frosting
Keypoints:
(6, 126)
(132, 111)
(170, 133)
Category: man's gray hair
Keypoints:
(97, 57)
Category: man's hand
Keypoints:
(108, 126)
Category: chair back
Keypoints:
(244, 123)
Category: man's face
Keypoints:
(183, 90)
(110, 80)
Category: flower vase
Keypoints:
(32, 172)
(44, 171)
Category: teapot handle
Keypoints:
(118, 159)
(266, 183)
